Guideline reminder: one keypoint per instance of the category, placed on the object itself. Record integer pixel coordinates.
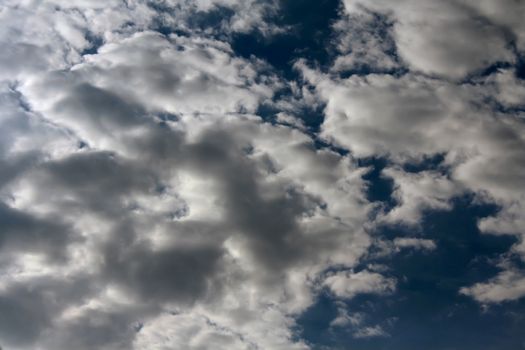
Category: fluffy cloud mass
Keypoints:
(149, 201)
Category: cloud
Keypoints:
(234, 16)
(371, 332)
(31, 306)
(180, 331)
(416, 243)
(417, 192)
(381, 114)
(159, 183)
(509, 90)
(61, 32)
(344, 319)
(22, 231)
(507, 285)
(348, 284)
(450, 39)
(411, 117)
(364, 43)
(356, 322)
(408, 117)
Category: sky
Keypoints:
(262, 174)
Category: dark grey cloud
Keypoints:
(101, 108)
(30, 307)
(24, 232)
(269, 225)
(163, 275)
(101, 329)
(97, 181)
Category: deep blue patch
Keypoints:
(309, 35)
(380, 188)
(95, 42)
(520, 67)
(315, 322)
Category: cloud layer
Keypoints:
(148, 200)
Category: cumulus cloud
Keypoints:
(357, 323)
(364, 43)
(55, 34)
(241, 228)
(149, 173)
(450, 39)
(344, 318)
(416, 243)
(509, 90)
(508, 285)
(348, 284)
(418, 192)
(411, 117)
(370, 332)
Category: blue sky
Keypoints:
(247, 174)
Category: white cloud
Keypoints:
(349, 284)
(157, 169)
(444, 38)
(416, 192)
(344, 318)
(505, 13)
(415, 243)
(54, 34)
(381, 114)
(371, 332)
(510, 91)
(412, 117)
(364, 42)
(507, 285)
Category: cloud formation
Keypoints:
(452, 38)
(148, 200)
